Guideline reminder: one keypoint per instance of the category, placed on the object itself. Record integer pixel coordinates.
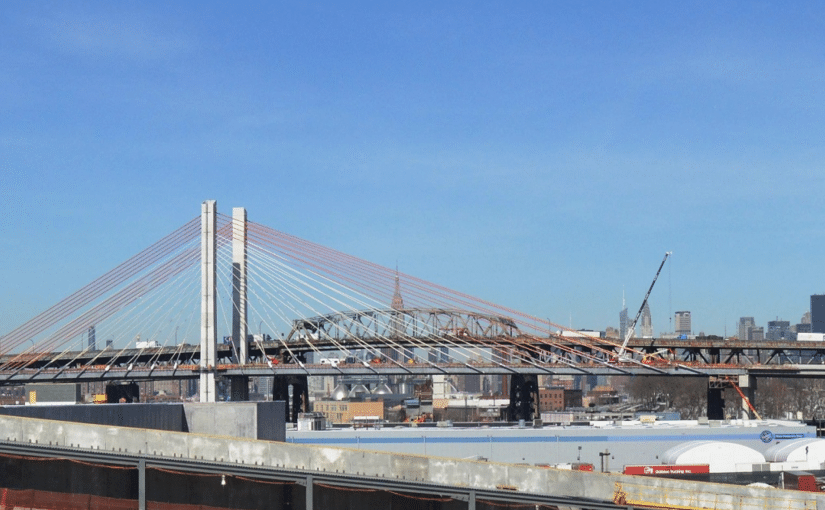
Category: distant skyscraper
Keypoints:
(779, 330)
(624, 323)
(682, 323)
(397, 328)
(647, 322)
(757, 334)
(803, 327)
(745, 326)
(91, 338)
(818, 313)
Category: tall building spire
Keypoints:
(397, 300)
(397, 320)
(623, 322)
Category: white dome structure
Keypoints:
(382, 389)
(799, 450)
(720, 456)
(358, 389)
(339, 393)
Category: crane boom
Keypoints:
(644, 301)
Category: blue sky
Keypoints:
(540, 155)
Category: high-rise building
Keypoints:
(647, 322)
(757, 334)
(396, 322)
(818, 313)
(91, 338)
(745, 325)
(682, 322)
(623, 322)
(779, 330)
(803, 327)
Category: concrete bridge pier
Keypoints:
(747, 384)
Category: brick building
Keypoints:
(342, 411)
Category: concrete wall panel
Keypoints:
(43, 432)
(238, 419)
(250, 452)
(167, 444)
(122, 439)
(528, 478)
(85, 437)
(208, 448)
(370, 464)
(10, 430)
(408, 467)
(448, 471)
(333, 460)
(486, 475)
(290, 456)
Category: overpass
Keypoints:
(160, 469)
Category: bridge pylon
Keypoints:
(209, 337)
(239, 384)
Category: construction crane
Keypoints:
(632, 325)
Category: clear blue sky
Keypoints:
(540, 155)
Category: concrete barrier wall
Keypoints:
(630, 490)
(253, 420)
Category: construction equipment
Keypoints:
(632, 325)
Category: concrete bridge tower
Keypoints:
(239, 384)
(209, 338)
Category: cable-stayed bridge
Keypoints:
(226, 297)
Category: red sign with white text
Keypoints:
(666, 470)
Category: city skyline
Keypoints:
(536, 156)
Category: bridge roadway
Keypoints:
(358, 478)
(700, 357)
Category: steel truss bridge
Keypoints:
(161, 314)
(424, 337)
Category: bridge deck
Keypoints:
(684, 357)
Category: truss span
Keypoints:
(409, 322)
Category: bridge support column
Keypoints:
(309, 494)
(142, 484)
(300, 395)
(747, 384)
(239, 384)
(209, 339)
(716, 400)
(524, 397)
